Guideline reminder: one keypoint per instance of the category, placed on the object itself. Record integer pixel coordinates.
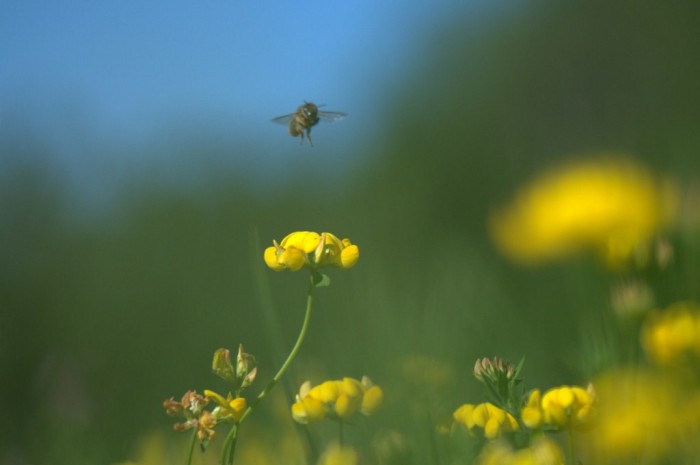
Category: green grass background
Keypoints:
(101, 321)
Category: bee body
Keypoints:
(307, 116)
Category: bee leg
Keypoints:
(308, 136)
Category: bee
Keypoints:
(307, 115)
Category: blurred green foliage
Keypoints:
(102, 321)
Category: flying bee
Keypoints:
(307, 115)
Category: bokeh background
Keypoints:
(140, 180)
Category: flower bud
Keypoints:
(222, 367)
(246, 368)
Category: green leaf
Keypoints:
(519, 368)
(203, 445)
(320, 279)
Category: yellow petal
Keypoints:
(328, 391)
(465, 415)
(532, 417)
(315, 409)
(349, 256)
(238, 407)
(346, 406)
(270, 257)
(217, 397)
(371, 400)
(299, 413)
(492, 428)
(293, 258)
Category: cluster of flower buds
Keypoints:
(229, 409)
(501, 381)
(191, 409)
(486, 369)
(242, 375)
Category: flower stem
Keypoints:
(229, 443)
(229, 446)
(340, 432)
(190, 449)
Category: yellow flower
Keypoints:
(567, 406)
(643, 414)
(492, 420)
(531, 414)
(669, 337)
(308, 407)
(340, 398)
(349, 398)
(371, 400)
(339, 455)
(611, 206)
(230, 408)
(313, 250)
(541, 452)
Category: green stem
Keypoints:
(340, 432)
(232, 446)
(229, 443)
(292, 354)
(190, 449)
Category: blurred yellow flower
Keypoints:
(611, 206)
(339, 398)
(567, 406)
(267, 445)
(156, 449)
(642, 414)
(372, 400)
(338, 455)
(672, 336)
(313, 250)
(492, 420)
(531, 413)
(541, 452)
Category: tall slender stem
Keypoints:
(229, 444)
(228, 447)
(292, 354)
(190, 448)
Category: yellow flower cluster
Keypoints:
(229, 409)
(338, 455)
(542, 452)
(564, 407)
(642, 414)
(492, 420)
(337, 398)
(611, 206)
(671, 336)
(313, 250)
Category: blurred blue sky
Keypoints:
(87, 74)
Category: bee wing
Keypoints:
(284, 119)
(331, 116)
